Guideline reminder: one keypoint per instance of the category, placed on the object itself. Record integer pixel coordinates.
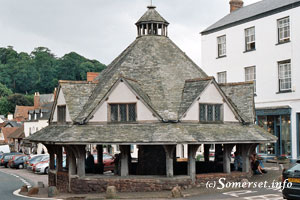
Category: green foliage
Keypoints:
(4, 91)
(41, 70)
(38, 71)
(4, 106)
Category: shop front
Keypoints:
(276, 121)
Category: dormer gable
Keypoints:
(209, 105)
(123, 99)
(61, 112)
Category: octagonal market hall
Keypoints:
(152, 98)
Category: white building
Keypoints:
(261, 43)
(38, 118)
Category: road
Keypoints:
(9, 184)
(268, 190)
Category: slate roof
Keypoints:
(192, 89)
(46, 98)
(252, 12)
(158, 66)
(241, 96)
(154, 133)
(152, 16)
(76, 94)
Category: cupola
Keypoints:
(152, 23)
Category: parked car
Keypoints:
(18, 161)
(108, 161)
(37, 159)
(43, 167)
(291, 182)
(6, 157)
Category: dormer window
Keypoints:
(122, 112)
(210, 112)
(61, 114)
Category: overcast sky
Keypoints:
(102, 29)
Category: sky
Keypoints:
(102, 29)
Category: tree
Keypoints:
(4, 91)
(4, 106)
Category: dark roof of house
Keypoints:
(152, 16)
(17, 134)
(159, 67)
(154, 133)
(13, 124)
(252, 12)
(241, 96)
(76, 95)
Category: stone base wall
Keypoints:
(52, 178)
(62, 181)
(88, 185)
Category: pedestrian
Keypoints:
(238, 162)
(255, 165)
(89, 163)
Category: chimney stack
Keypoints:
(235, 4)
(36, 100)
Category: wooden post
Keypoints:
(218, 152)
(227, 158)
(192, 150)
(72, 163)
(125, 151)
(59, 158)
(245, 156)
(169, 149)
(100, 158)
(81, 160)
(206, 152)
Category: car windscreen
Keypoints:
(37, 158)
(106, 157)
(294, 168)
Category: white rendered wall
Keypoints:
(211, 96)
(122, 94)
(265, 58)
(60, 102)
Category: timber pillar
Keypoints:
(206, 152)
(192, 149)
(169, 150)
(100, 167)
(125, 154)
(227, 158)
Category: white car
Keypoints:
(42, 167)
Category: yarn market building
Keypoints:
(153, 96)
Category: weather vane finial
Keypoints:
(151, 2)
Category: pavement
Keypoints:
(268, 191)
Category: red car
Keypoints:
(108, 161)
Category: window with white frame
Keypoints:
(122, 112)
(250, 75)
(250, 39)
(284, 76)
(283, 29)
(222, 77)
(221, 46)
(210, 112)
